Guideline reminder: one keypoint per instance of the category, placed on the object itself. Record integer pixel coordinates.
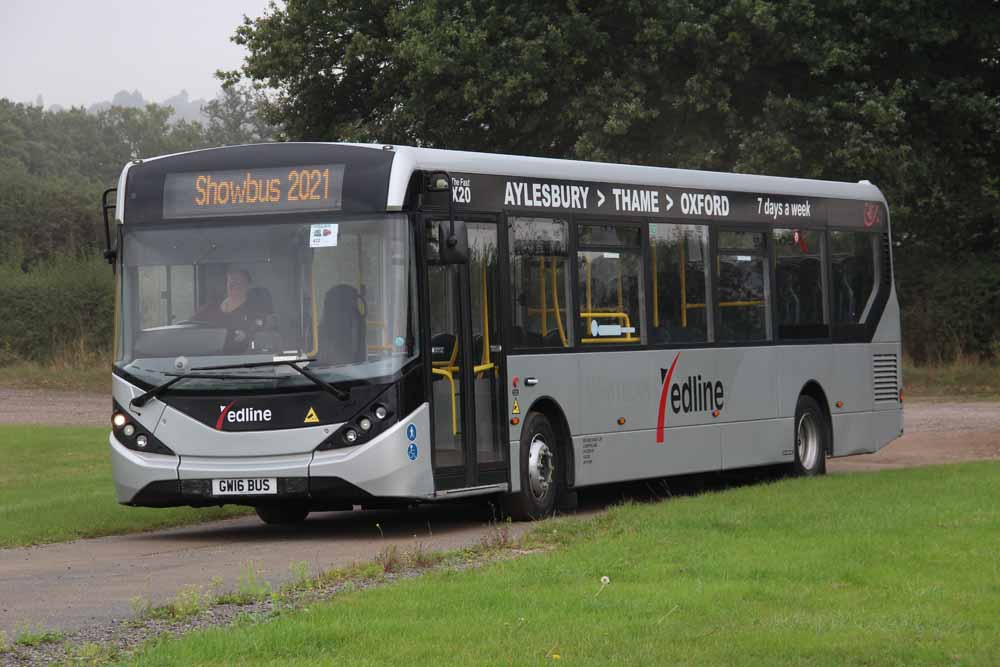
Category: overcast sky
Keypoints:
(76, 52)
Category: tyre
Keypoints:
(541, 471)
(812, 438)
(283, 515)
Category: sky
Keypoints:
(77, 52)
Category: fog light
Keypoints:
(365, 424)
(118, 420)
(351, 436)
(129, 430)
(381, 413)
(141, 441)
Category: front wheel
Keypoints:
(811, 438)
(541, 471)
(283, 515)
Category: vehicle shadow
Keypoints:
(429, 520)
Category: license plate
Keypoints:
(245, 487)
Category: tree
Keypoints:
(904, 94)
(233, 118)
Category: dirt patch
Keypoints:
(54, 408)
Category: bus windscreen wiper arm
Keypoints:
(293, 363)
(142, 399)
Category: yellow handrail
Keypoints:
(555, 305)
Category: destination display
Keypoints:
(253, 191)
(491, 192)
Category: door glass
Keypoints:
(445, 367)
(485, 338)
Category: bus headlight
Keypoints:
(118, 420)
(133, 435)
(129, 430)
(365, 424)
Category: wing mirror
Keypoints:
(451, 245)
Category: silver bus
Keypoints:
(321, 326)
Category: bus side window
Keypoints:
(679, 268)
(609, 294)
(539, 290)
(853, 272)
(799, 283)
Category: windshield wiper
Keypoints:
(293, 363)
(142, 399)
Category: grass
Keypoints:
(892, 568)
(965, 378)
(55, 485)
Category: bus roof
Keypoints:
(409, 159)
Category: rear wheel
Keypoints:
(811, 438)
(541, 471)
(283, 515)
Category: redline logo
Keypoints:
(241, 416)
(691, 395)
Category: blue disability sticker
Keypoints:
(411, 432)
(411, 451)
(399, 341)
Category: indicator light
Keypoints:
(716, 413)
(365, 424)
(621, 421)
(515, 420)
(840, 404)
(351, 436)
(118, 420)
(141, 441)
(380, 412)
(129, 430)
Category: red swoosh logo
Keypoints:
(222, 415)
(663, 400)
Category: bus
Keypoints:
(325, 326)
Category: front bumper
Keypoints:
(337, 479)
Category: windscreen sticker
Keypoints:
(323, 235)
(311, 417)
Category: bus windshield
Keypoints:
(339, 290)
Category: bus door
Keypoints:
(467, 370)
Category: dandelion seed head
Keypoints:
(605, 580)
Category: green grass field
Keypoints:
(55, 485)
(891, 568)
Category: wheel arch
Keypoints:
(814, 390)
(549, 407)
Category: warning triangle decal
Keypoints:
(311, 417)
(516, 410)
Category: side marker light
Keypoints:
(839, 404)
(716, 413)
(515, 420)
(621, 421)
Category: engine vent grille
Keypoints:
(885, 378)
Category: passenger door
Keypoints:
(467, 366)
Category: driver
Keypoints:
(236, 309)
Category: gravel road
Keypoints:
(89, 583)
